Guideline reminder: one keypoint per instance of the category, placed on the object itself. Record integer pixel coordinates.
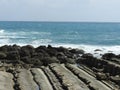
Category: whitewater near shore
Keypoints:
(81, 35)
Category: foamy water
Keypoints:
(86, 36)
(97, 51)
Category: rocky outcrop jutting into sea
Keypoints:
(57, 68)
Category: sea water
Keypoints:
(83, 35)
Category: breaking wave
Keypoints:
(81, 36)
(1, 31)
(96, 50)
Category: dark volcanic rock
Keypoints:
(108, 56)
(41, 49)
(116, 79)
(4, 48)
(62, 58)
(29, 54)
(97, 50)
(87, 55)
(77, 51)
(27, 51)
(13, 55)
(62, 49)
(51, 51)
(46, 55)
(7, 48)
(24, 53)
(101, 76)
(70, 60)
(26, 59)
(49, 60)
(3, 55)
(87, 59)
(36, 62)
(39, 55)
(97, 70)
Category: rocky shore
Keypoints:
(57, 68)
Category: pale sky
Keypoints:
(60, 10)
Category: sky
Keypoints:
(60, 10)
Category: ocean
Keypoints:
(83, 35)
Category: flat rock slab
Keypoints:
(25, 80)
(41, 79)
(6, 82)
(69, 80)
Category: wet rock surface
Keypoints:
(57, 68)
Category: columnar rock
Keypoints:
(68, 79)
(26, 81)
(41, 79)
(91, 81)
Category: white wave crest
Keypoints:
(41, 42)
(4, 42)
(40, 33)
(96, 50)
(2, 31)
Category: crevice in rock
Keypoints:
(107, 82)
(91, 87)
(48, 79)
(59, 79)
(14, 73)
(82, 79)
(35, 80)
(52, 79)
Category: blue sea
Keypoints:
(84, 35)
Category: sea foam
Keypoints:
(2, 31)
(96, 50)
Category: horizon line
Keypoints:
(61, 21)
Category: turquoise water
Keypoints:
(63, 33)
